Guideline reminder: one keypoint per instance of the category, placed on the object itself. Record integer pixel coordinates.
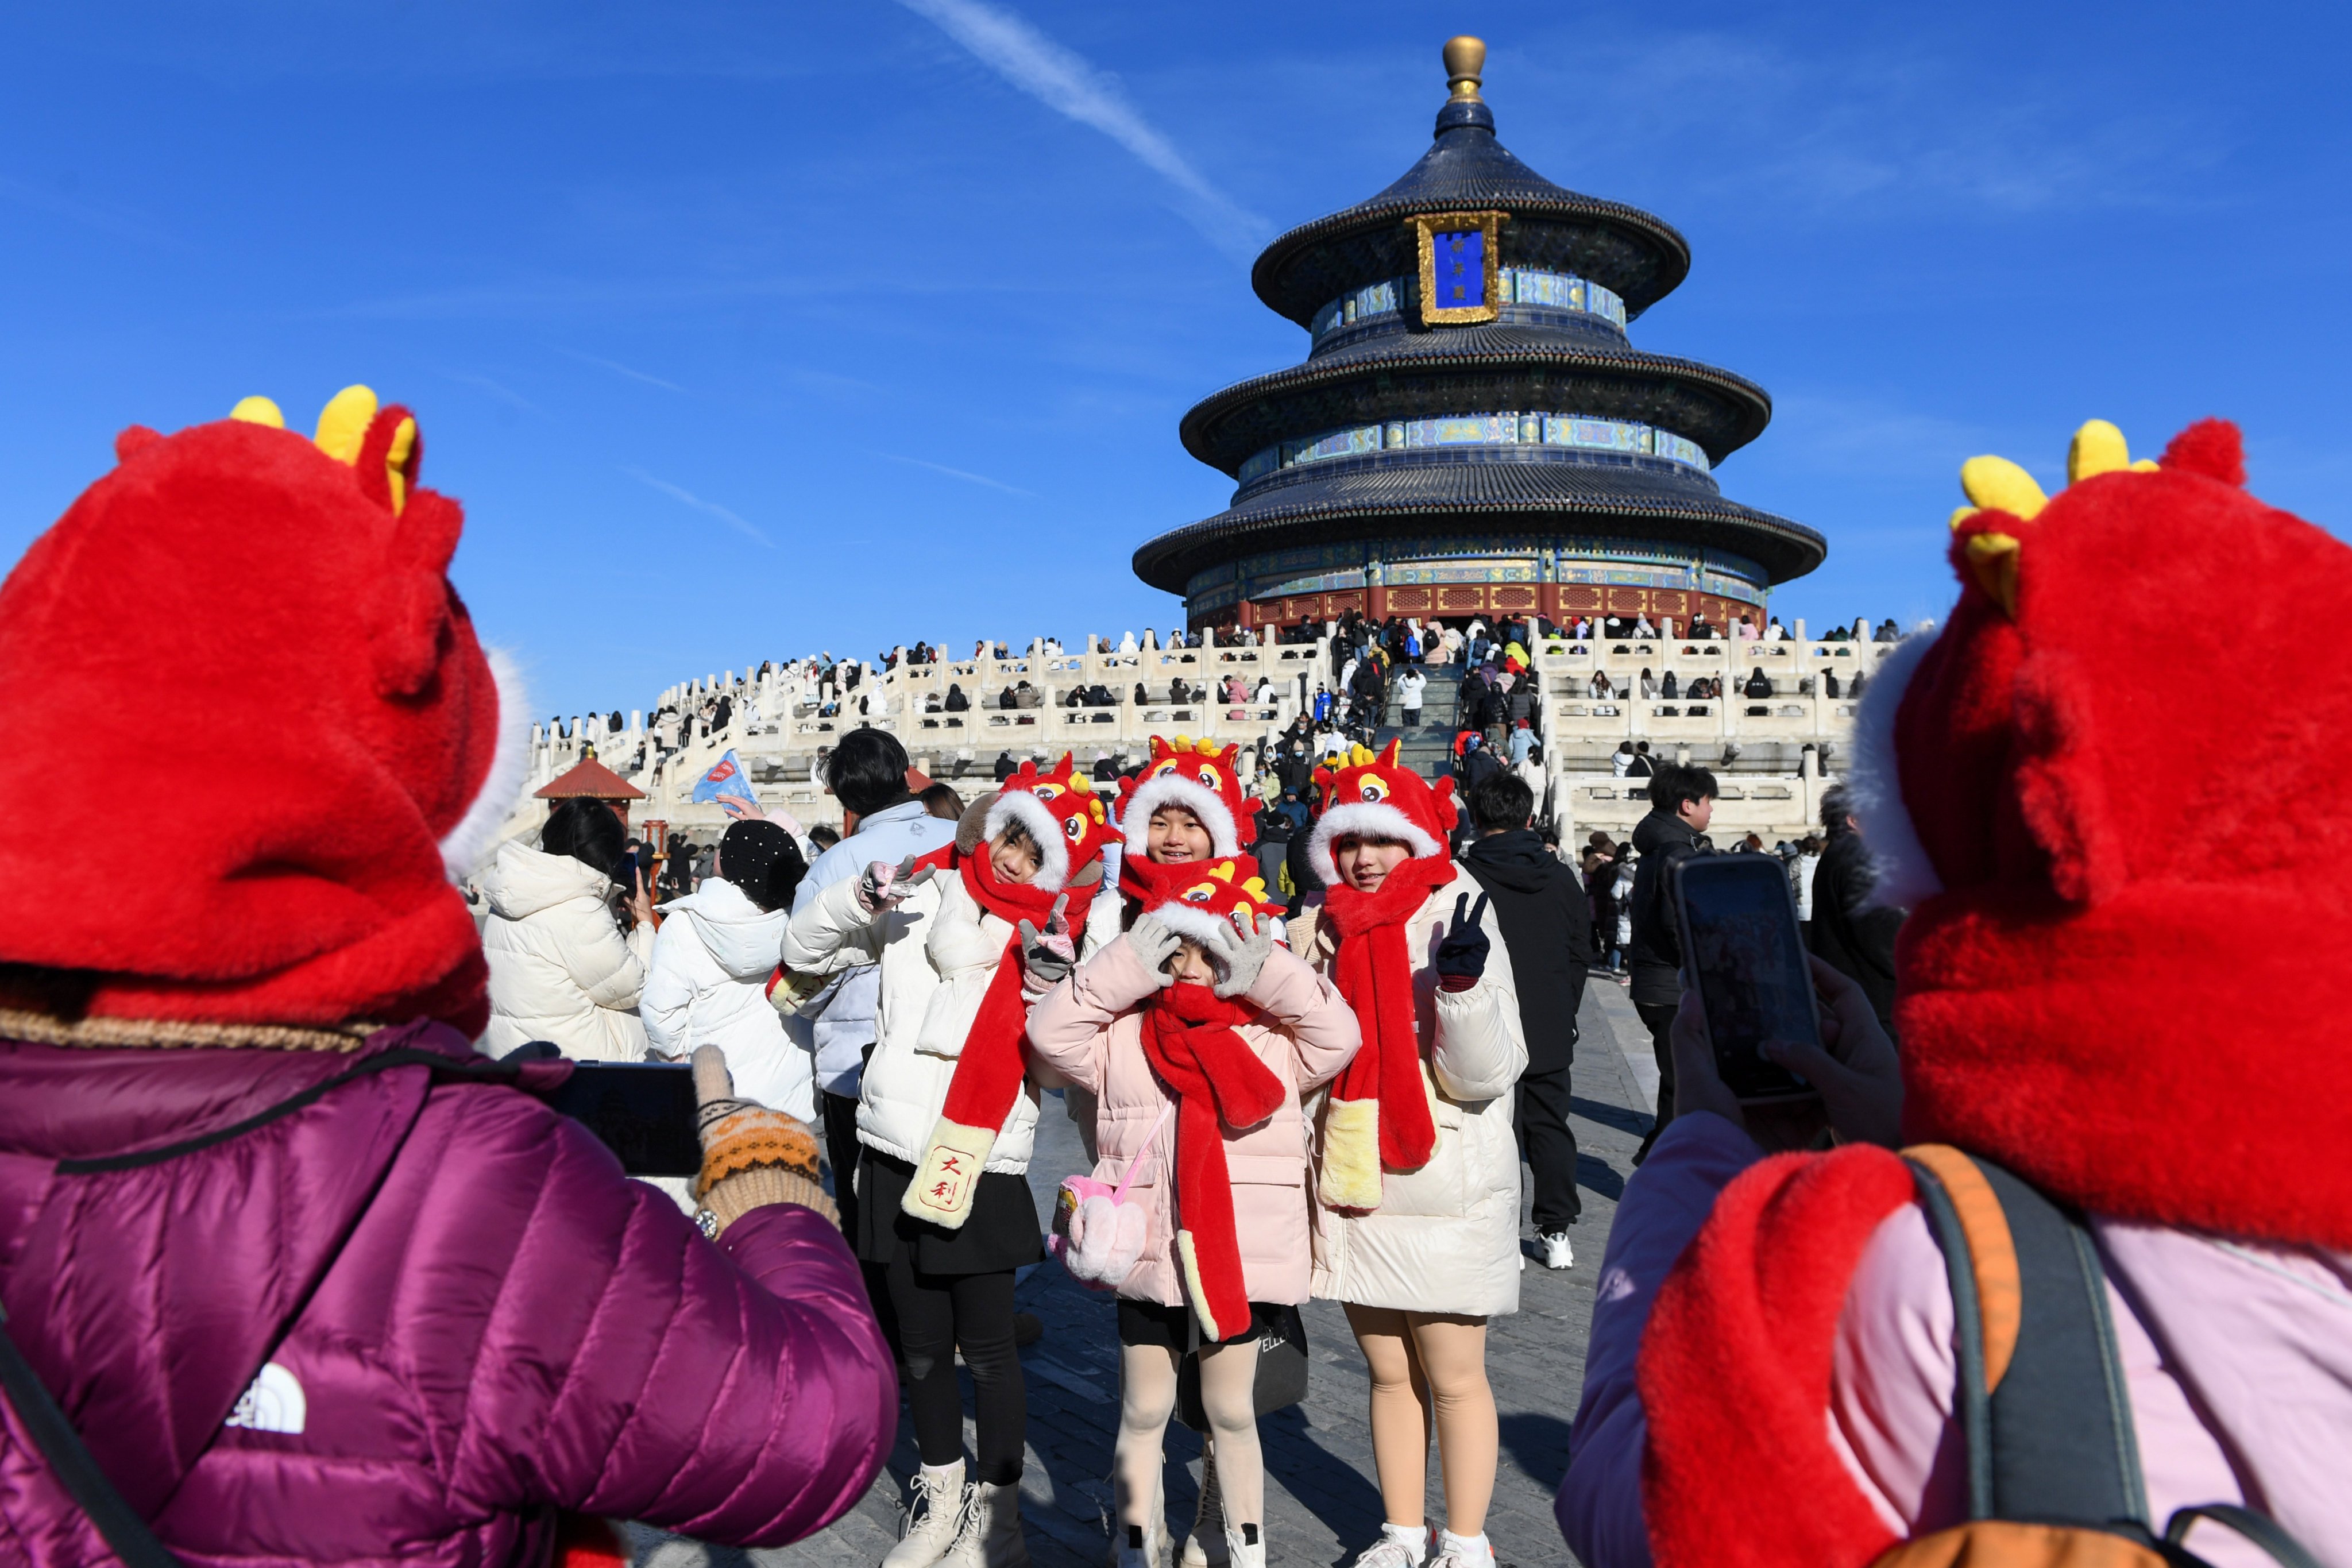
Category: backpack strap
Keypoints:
(2042, 1400)
(118, 1523)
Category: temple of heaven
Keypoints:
(1472, 432)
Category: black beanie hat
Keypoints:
(760, 859)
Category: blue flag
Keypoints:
(724, 778)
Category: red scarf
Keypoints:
(1373, 972)
(1190, 1041)
(989, 1071)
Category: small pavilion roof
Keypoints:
(588, 779)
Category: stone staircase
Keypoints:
(1428, 750)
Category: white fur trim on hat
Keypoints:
(1365, 819)
(465, 847)
(1175, 789)
(1193, 921)
(1906, 876)
(1053, 849)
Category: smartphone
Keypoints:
(1742, 948)
(642, 1111)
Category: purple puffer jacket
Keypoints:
(475, 1317)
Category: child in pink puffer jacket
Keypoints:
(1199, 1011)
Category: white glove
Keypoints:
(1244, 945)
(1153, 944)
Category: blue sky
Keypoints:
(747, 330)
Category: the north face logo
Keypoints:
(274, 1402)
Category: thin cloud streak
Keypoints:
(1069, 84)
(617, 368)
(499, 390)
(967, 477)
(688, 498)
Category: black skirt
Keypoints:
(1000, 1233)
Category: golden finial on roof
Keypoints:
(1466, 57)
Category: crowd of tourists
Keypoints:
(300, 1265)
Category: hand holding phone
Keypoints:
(1744, 955)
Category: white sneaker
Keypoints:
(1388, 1552)
(1205, 1546)
(1452, 1552)
(1557, 1253)
(1245, 1553)
(935, 1504)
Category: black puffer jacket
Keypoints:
(1548, 927)
(1655, 955)
(1857, 942)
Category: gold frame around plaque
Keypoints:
(1426, 227)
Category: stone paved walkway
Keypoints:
(1321, 1504)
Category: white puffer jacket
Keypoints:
(1445, 1237)
(937, 951)
(710, 987)
(559, 968)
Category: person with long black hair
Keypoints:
(569, 937)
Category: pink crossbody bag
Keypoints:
(1098, 1233)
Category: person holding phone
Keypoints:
(1681, 803)
(1417, 1178)
(570, 938)
(2099, 1308)
(314, 1282)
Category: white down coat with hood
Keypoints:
(1445, 1237)
(710, 987)
(559, 968)
(938, 952)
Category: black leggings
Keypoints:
(936, 1313)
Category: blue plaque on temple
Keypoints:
(1461, 279)
(1460, 267)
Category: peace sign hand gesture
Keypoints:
(1462, 956)
(1047, 956)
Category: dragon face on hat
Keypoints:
(1226, 890)
(1200, 776)
(1062, 811)
(1369, 796)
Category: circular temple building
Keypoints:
(1471, 431)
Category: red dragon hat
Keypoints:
(346, 747)
(1202, 777)
(1062, 813)
(2128, 894)
(1380, 797)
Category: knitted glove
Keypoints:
(1462, 956)
(885, 886)
(1047, 956)
(751, 1155)
(1244, 951)
(1153, 944)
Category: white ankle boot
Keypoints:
(1207, 1547)
(1153, 1551)
(1245, 1552)
(934, 1509)
(990, 1535)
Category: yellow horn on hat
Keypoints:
(343, 423)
